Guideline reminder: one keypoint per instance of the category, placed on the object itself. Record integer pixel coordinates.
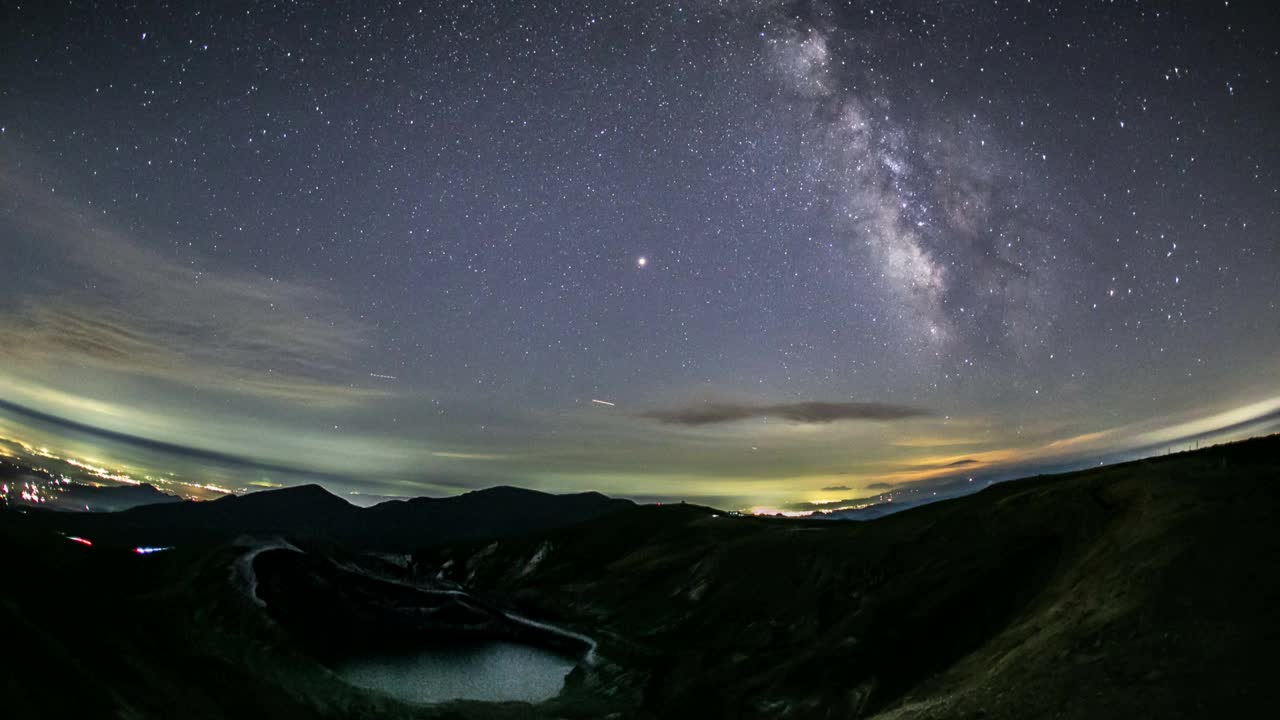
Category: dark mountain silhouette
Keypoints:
(301, 508)
(313, 513)
(495, 512)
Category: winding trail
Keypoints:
(590, 658)
(243, 574)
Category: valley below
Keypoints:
(1102, 593)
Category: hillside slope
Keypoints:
(1143, 589)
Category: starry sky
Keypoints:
(752, 254)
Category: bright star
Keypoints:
(642, 261)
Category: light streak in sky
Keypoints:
(602, 402)
(80, 540)
(380, 376)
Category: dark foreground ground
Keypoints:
(1148, 589)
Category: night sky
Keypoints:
(749, 254)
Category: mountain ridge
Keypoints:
(313, 512)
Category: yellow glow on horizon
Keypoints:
(766, 511)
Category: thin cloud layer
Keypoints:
(926, 467)
(812, 412)
(133, 311)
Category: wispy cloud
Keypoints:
(941, 465)
(801, 412)
(449, 455)
(118, 306)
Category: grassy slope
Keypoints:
(1140, 589)
(1171, 610)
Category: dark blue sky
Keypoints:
(401, 244)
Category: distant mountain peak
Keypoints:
(498, 490)
(312, 511)
(310, 493)
(307, 489)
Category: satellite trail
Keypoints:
(383, 377)
(602, 402)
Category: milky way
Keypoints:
(756, 253)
